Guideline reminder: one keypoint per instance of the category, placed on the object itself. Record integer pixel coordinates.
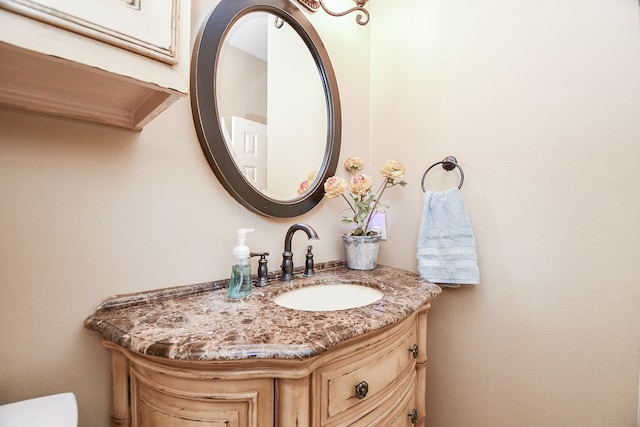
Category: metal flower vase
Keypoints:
(361, 251)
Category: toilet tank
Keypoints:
(58, 410)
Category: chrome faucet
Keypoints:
(287, 255)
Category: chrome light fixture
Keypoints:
(362, 18)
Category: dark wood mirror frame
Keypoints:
(204, 64)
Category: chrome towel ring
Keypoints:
(449, 163)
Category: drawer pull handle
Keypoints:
(362, 388)
(414, 416)
(414, 351)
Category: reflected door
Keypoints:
(249, 141)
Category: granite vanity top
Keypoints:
(199, 322)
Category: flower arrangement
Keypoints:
(364, 203)
(304, 186)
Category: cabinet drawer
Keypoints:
(392, 411)
(400, 416)
(378, 368)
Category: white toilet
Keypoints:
(58, 410)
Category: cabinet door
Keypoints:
(148, 28)
(233, 404)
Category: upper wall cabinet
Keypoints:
(114, 62)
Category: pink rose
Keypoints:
(334, 186)
(360, 184)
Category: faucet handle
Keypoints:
(263, 270)
(308, 265)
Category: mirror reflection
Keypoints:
(271, 105)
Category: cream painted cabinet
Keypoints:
(377, 379)
(117, 62)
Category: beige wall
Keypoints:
(87, 212)
(539, 101)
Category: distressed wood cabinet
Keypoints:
(119, 62)
(376, 379)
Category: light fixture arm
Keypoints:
(359, 8)
(362, 18)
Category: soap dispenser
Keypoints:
(240, 281)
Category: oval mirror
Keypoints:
(265, 105)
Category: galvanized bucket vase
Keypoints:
(361, 251)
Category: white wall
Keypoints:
(296, 92)
(87, 212)
(540, 102)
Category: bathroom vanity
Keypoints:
(188, 356)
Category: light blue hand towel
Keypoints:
(446, 246)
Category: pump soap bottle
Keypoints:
(240, 281)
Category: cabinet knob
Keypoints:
(414, 416)
(414, 351)
(362, 388)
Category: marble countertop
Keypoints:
(199, 322)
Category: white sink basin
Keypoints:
(339, 296)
